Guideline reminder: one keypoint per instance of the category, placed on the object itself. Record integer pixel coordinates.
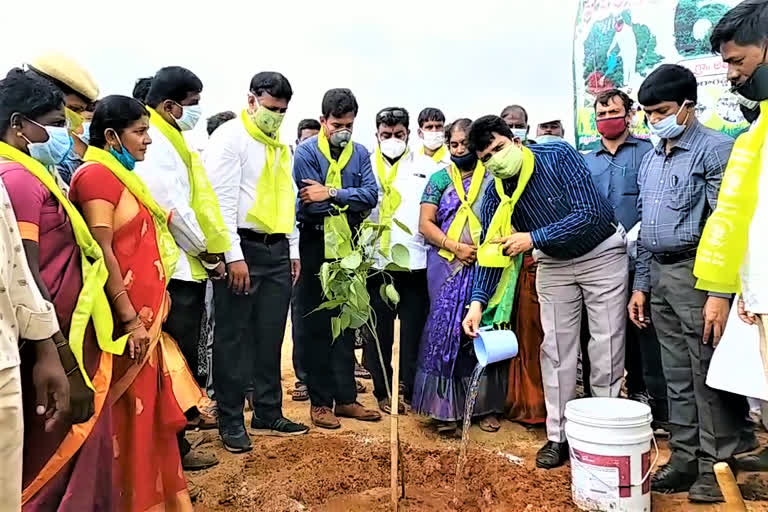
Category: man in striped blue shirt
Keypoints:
(582, 261)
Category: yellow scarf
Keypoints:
(166, 245)
(439, 154)
(274, 210)
(203, 200)
(491, 254)
(92, 303)
(465, 214)
(337, 234)
(723, 243)
(390, 198)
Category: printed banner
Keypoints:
(619, 42)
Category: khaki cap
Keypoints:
(67, 71)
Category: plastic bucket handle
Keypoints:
(647, 475)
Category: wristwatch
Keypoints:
(332, 191)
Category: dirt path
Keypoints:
(348, 470)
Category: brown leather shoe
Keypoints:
(323, 417)
(356, 411)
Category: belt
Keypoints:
(670, 258)
(262, 238)
(305, 226)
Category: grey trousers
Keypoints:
(706, 425)
(598, 281)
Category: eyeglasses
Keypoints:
(395, 114)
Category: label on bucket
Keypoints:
(599, 481)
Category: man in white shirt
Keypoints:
(250, 170)
(432, 134)
(173, 99)
(404, 174)
(23, 314)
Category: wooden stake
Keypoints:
(393, 431)
(734, 502)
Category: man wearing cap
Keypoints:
(79, 90)
(679, 181)
(550, 131)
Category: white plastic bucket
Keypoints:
(610, 441)
(494, 346)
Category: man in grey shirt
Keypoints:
(679, 181)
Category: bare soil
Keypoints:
(347, 470)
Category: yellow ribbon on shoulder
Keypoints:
(439, 154)
(169, 251)
(275, 207)
(336, 230)
(723, 243)
(390, 198)
(465, 215)
(203, 200)
(491, 254)
(92, 303)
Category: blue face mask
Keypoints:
(668, 128)
(466, 162)
(546, 139)
(86, 135)
(55, 149)
(123, 156)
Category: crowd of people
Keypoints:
(624, 261)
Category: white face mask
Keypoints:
(190, 115)
(392, 148)
(433, 140)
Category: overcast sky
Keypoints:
(468, 58)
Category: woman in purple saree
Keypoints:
(446, 354)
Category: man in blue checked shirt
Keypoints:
(582, 260)
(679, 182)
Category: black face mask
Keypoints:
(465, 162)
(756, 86)
(750, 114)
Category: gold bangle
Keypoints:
(119, 294)
(442, 242)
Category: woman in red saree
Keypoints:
(59, 457)
(151, 384)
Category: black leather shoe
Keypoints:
(706, 490)
(754, 461)
(668, 480)
(552, 455)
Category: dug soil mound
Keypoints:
(350, 472)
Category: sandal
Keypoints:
(300, 393)
(386, 406)
(360, 386)
(490, 423)
(362, 373)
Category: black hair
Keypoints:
(116, 112)
(172, 83)
(605, 97)
(431, 114)
(482, 130)
(27, 94)
(141, 88)
(219, 119)
(515, 108)
(459, 124)
(307, 124)
(338, 103)
(393, 116)
(746, 24)
(273, 83)
(58, 84)
(668, 82)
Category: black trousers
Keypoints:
(412, 311)
(248, 336)
(185, 320)
(298, 349)
(329, 364)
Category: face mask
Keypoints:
(546, 139)
(506, 163)
(612, 127)
(74, 120)
(124, 157)
(520, 133)
(433, 140)
(267, 121)
(190, 115)
(756, 86)
(86, 135)
(340, 138)
(668, 128)
(55, 149)
(392, 148)
(465, 162)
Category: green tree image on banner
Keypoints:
(618, 43)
